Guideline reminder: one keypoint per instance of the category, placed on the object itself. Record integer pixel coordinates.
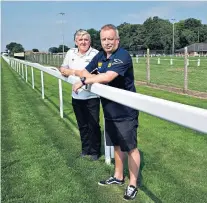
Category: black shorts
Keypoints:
(122, 133)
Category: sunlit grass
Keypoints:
(40, 151)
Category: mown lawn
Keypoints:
(40, 151)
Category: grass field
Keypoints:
(173, 75)
(40, 151)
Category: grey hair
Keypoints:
(81, 32)
(111, 27)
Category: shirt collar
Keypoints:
(112, 55)
(86, 54)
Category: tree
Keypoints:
(192, 23)
(187, 37)
(53, 50)
(14, 47)
(158, 33)
(35, 50)
(60, 48)
(95, 38)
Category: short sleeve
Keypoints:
(93, 64)
(120, 64)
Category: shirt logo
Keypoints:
(117, 61)
(99, 64)
(109, 65)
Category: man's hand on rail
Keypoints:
(77, 86)
(66, 72)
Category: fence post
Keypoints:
(42, 84)
(186, 71)
(15, 65)
(158, 61)
(171, 62)
(60, 97)
(19, 68)
(148, 67)
(26, 72)
(22, 70)
(32, 77)
(107, 148)
(198, 63)
(137, 59)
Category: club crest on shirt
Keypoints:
(117, 61)
(109, 65)
(99, 64)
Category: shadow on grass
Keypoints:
(140, 181)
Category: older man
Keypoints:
(86, 105)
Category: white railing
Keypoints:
(185, 115)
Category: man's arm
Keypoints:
(80, 73)
(100, 78)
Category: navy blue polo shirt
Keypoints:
(120, 62)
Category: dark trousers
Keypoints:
(87, 116)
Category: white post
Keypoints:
(32, 77)
(199, 62)
(171, 62)
(107, 148)
(158, 61)
(16, 66)
(42, 84)
(137, 59)
(148, 67)
(26, 73)
(186, 71)
(22, 70)
(19, 68)
(10, 62)
(60, 97)
(112, 152)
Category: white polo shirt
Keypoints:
(77, 61)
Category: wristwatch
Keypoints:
(83, 79)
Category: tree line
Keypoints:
(155, 33)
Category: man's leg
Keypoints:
(79, 107)
(133, 164)
(119, 163)
(93, 108)
(118, 178)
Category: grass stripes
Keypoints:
(40, 151)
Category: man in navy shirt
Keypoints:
(114, 67)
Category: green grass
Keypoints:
(173, 75)
(40, 151)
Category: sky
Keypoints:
(38, 24)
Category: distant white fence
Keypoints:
(185, 115)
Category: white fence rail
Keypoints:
(185, 115)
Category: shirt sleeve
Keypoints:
(120, 64)
(93, 64)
